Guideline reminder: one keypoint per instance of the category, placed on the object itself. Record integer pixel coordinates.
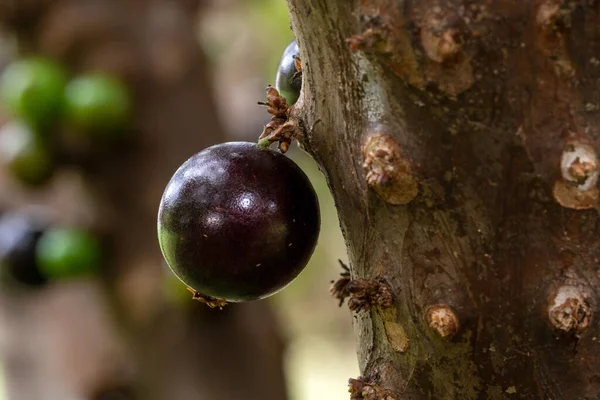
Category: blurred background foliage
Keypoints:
(243, 41)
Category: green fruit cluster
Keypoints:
(34, 252)
(39, 96)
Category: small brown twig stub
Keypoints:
(362, 293)
(363, 389)
(280, 128)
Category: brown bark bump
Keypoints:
(579, 172)
(449, 66)
(384, 37)
(569, 310)
(579, 166)
(364, 389)
(440, 46)
(388, 170)
(443, 320)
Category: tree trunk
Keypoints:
(118, 337)
(459, 139)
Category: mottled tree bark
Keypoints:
(118, 338)
(480, 209)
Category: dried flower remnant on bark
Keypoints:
(280, 128)
(569, 311)
(443, 320)
(339, 288)
(578, 186)
(362, 293)
(387, 170)
(365, 293)
(362, 389)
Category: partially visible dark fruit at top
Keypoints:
(24, 154)
(288, 81)
(19, 235)
(64, 253)
(98, 103)
(32, 89)
(238, 222)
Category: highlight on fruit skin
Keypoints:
(238, 222)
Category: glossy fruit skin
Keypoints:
(98, 103)
(32, 89)
(68, 252)
(288, 81)
(19, 235)
(25, 154)
(238, 222)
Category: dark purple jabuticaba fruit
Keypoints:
(238, 222)
(19, 234)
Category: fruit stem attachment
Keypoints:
(209, 301)
(264, 143)
(281, 128)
